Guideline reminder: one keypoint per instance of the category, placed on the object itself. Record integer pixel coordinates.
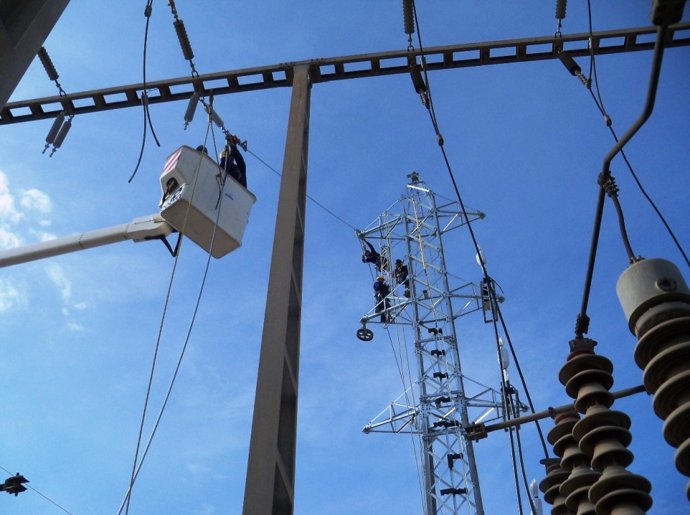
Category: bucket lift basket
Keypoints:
(191, 183)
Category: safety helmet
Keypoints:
(380, 278)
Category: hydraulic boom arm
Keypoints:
(140, 229)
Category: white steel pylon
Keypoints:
(419, 295)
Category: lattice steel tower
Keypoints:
(437, 406)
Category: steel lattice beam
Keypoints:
(339, 68)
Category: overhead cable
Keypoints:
(430, 108)
(137, 462)
(582, 322)
(29, 487)
(144, 95)
(340, 219)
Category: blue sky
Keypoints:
(526, 144)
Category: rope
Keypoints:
(340, 219)
(136, 464)
(417, 453)
(182, 353)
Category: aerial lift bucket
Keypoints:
(194, 206)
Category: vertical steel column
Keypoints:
(269, 489)
(24, 26)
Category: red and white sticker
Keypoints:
(172, 161)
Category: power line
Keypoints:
(40, 493)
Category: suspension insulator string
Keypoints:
(54, 129)
(185, 44)
(58, 131)
(191, 109)
(408, 21)
(62, 133)
(561, 6)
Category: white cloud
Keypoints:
(9, 296)
(42, 235)
(8, 239)
(57, 275)
(30, 201)
(8, 210)
(75, 326)
(36, 200)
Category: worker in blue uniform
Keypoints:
(232, 161)
(381, 291)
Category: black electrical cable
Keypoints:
(144, 97)
(515, 470)
(147, 13)
(599, 102)
(487, 278)
(522, 463)
(499, 316)
(582, 322)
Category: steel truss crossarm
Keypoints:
(340, 68)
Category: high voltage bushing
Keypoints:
(551, 485)
(602, 434)
(578, 474)
(656, 302)
(408, 16)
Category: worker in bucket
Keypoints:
(232, 161)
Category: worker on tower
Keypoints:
(381, 292)
(232, 161)
(400, 273)
(370, 255)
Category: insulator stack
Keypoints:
(215, 116)
(602, 434)
(656, 302)
(61, 136)
(408, 16)
(48, 64)
(184, 40)
(561, 6)
(574, 487)
(551, 485)
(191, 109)
(52, 133)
